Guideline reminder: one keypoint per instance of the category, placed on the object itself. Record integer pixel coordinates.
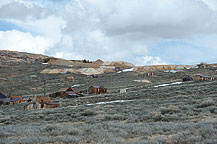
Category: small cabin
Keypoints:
(149, 74)
(10, 100)
(203, 78)
(67, 93)
(41, 103)
(70, 78)
(94, 76)
(16, 99)
(71, 94)
(97, 90)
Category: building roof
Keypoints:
(5, 99)
(69, 89)
(72, 93)
(204, 76)
(15, 99)
(97, 86)
(2, 95)
(43, 99)
(12, 97)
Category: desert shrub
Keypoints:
(155, 116)
(158, 140)
(170, 110)
(169, 118)
(88, 112)
(69, 139)
(206, 103)
(48, 128)
(185, 137)
(119, 117)
(108, 118)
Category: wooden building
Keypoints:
(150, 74)
(71, 94)
(203, 78)
(70, 78)
(10, 100)
(94, 76)
(16, 99)
(67, 93)
(97, 90)
(41, 103)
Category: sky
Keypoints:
(143, 32)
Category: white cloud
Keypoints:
(150, 60)
(25, 42)
(110, 30)
(212, 4)
(160, 19)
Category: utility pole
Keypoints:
(44, 87)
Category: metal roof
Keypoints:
(2, 96)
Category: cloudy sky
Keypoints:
(143, 32)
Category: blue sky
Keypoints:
(7, 26)
(142, 32)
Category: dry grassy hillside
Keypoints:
(138, 108)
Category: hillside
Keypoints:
(137, 108)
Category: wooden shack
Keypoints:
(150, 74)
(58, 94)
(94, 76)
(97, 90)
(16, 99)
(70, 78)
(66, 93)
(10, 100)
(41, 103)
(203, 78)
(72, 94)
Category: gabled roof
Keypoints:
(5, 99)
(204, 76)
(97, 87)
(72, 93)
(15, 99)
(69, 89)
(43, 99)
(2, 96)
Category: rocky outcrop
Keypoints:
(99, 61)
(119, 64)
(160, 68)
(57, 61)
(85, 71)
(59, 71)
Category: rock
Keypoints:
(57, 61)
(58, 71)
(160, 68)
(119, 64)
(91, 71)
(99, 61)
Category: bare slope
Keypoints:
(142, 113)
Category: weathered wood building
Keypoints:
(10, 100)
(97, 90)
(68, 93)
(16, 99)
(41, 103)
(203, 78)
